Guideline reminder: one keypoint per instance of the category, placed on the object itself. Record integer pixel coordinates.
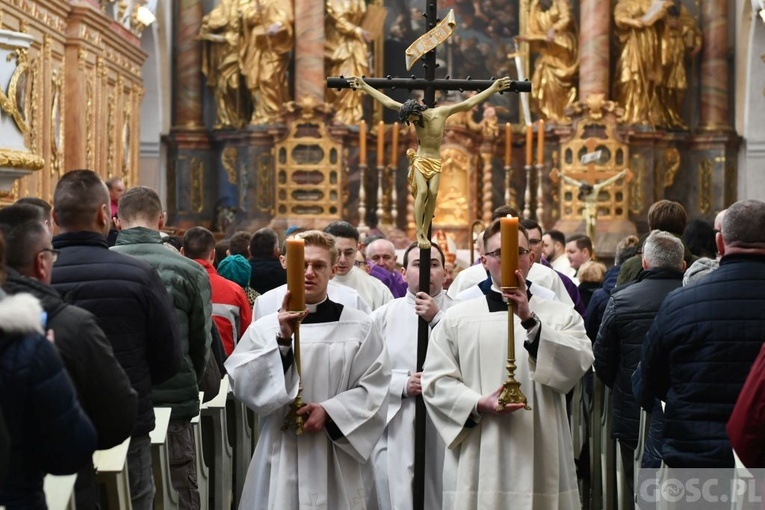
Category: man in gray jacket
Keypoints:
(140, 218)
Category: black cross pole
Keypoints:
(429, 85)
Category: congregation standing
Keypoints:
(94, 334)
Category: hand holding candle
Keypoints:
(508, 143)
(529, 144)
(363, 143)
(509, 251)
(541, 142)
(296, 274)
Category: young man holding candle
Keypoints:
(495, 457)
(398, 322)
(345, 380)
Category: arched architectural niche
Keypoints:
(156, 41)
(750, 100)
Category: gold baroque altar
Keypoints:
(83, 89)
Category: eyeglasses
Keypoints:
(497, 254)
(53, 254)
(359, 263)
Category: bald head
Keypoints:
(381, 252)
(743, 227)
(81, 203)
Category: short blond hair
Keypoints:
(591, 271)
(320, 239)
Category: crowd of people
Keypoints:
(104, 316)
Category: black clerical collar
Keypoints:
(495, 300)
(326, 311)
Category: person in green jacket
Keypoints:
(140, 219)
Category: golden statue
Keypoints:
(425, 164)
(220, 33)
(346, 53)
(268, 39)
(680, 37)
(638, 69)
(552, 33)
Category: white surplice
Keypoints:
(271, 301)
(374, 292)
(394, 454)
(345, 369)
(523, 460)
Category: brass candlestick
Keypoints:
(511, 389)
(293, 420)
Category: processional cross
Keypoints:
(436, 32)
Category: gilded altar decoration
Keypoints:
(597, 186)
(637, 186)
(453, 208)
(13, 101)
(221, 35)
(552, 33)
(705, 185)
(346, 53)
(197, 182)
(228, 160)
(264, 184)
(56, 125)
(672, 165)
(308, 165)
(268, 37)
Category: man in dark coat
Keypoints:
(129, 300)
(629, 314)
(703, 342)
(102, 385)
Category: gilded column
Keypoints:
(309, 49)
(187, 94)
(714, 66)
(594, 23)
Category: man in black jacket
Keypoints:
(102, 385)
(129, 300)
(628, 316)
(703, 342)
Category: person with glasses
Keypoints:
(524, 454)
(372, 290)
(103, 386)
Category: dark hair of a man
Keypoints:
(239, 243)
(557, 236)
(139, 202)
(174, 241)
(264, 243)
(530, 224)
(38, 202)
(24, 241)
(582, 242)
(699, 237)
(744, 225)
(220, 251)
(494, 228)
(16, 214)
(503, 211)
(79, 195)
(410, 107)
(668, 216)
(342, 229)
(415, 245)
(198, 242)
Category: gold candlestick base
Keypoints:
(293, 420)
(511, 390)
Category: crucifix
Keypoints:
(429, 128)
(589, 187)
